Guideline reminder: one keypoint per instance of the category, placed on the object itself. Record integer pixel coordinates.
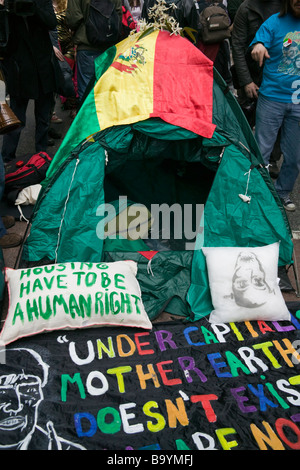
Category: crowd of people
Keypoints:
(260, 62)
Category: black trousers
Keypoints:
(42, 109)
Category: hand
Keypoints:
(260, 53)
(58, 53)
(251, 90)
(2, 2)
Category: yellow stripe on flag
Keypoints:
(124, 94)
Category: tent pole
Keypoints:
(296, 275)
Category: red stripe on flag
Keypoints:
(124, 67)
(183, 85)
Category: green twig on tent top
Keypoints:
(161, 20)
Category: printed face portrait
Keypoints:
(249, 285)
(292, 51)
(20, 396)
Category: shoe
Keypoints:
(274, 170)
(50, 143)
(284, 281)
(288, 204)
(54, 134)
(55, 119)
(8, 221)
(10, 240)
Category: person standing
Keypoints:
(277, 107)
(218, 52)
(76, 16)
(248, 18)
(232, 7)
(66, 46)
(29, 71)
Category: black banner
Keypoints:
(180, 387)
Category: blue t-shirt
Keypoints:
(281, 37)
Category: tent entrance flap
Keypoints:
(174, 192)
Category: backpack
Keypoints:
(102, 24)
(32, 172)
(214, 24)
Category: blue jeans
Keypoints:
(2, 184)
(270, 117)
(85, 69)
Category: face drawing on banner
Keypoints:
(249, 285)
(20, 397)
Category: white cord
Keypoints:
(22, 216)
(65, 208)
(248, 173)
(245, 196)
(149, 268)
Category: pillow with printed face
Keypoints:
(244, 285)
(72, 295)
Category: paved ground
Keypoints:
(27, 145)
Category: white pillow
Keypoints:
(72, 295)
(244, 285)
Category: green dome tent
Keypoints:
(159, 129)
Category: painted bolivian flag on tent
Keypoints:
(146, 75)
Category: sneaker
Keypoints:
(10, 240)
(288, 204)
(55, 119)
(8, 221)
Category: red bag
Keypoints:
(32, 172)
(128, 23)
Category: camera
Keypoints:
(20, 7)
